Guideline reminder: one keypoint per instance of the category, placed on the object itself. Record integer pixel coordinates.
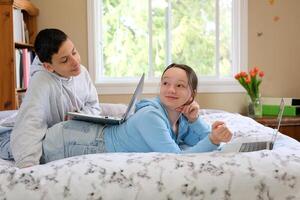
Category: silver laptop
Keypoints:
(110, 120)
(256, 146)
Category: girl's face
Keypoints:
(174, 89)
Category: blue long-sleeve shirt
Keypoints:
(149, 130)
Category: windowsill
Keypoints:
(152, 86)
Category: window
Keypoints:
(127, 38)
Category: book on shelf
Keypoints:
(18, 68)
(24, 58)
(270, 106)
(276, 101)
(20, 30)
(19, 26)
(272, 110)
(26, 66)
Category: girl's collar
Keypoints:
(167, 113)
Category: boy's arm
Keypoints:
(30, 127)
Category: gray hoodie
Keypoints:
(48, 98)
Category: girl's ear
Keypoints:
(48, 67)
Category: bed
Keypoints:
(215, 175)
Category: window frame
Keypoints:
(151, 86)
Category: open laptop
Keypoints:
(256, 146)
(109, 120)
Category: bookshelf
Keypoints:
(9, 92)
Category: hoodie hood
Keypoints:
(156, 103)
(37, 66)
(66, 84)
(148, 102)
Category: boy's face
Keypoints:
(66, 62)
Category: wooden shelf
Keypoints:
(8, 91)
(21, 90)
(272, 121)
(289, 125)
(20, 45)
(26, 6)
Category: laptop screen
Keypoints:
(134, 98)
(279, 118)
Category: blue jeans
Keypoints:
(72, 138)
(5, 150)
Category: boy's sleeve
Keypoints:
(30, 127)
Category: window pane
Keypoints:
(225, 37)
(193, 35)
(159, 13)
(125, 38)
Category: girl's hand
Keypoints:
(190, 111)
(220, 133)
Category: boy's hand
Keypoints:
(220, 133)
(190, 111)
(68, 117)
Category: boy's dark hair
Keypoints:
(191, 75)
(48, 42)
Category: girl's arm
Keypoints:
(154, 128)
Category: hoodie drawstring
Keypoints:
(75, 95)
(61, 99)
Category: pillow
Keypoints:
(8, 117)
(210, 111)
(112, 109)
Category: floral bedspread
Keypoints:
(215, 175)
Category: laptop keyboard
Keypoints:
(253, 146)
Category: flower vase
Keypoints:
(255, 107)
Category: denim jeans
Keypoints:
(72, 138)
(5, 150)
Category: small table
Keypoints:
(289, 125)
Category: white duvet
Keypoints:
(257, 175)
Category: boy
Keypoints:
(58, 84)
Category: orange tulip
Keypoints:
(237, 76)
(261, 74)
(252, 73)
(256, 69)
(243, 74)
(248, 80)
